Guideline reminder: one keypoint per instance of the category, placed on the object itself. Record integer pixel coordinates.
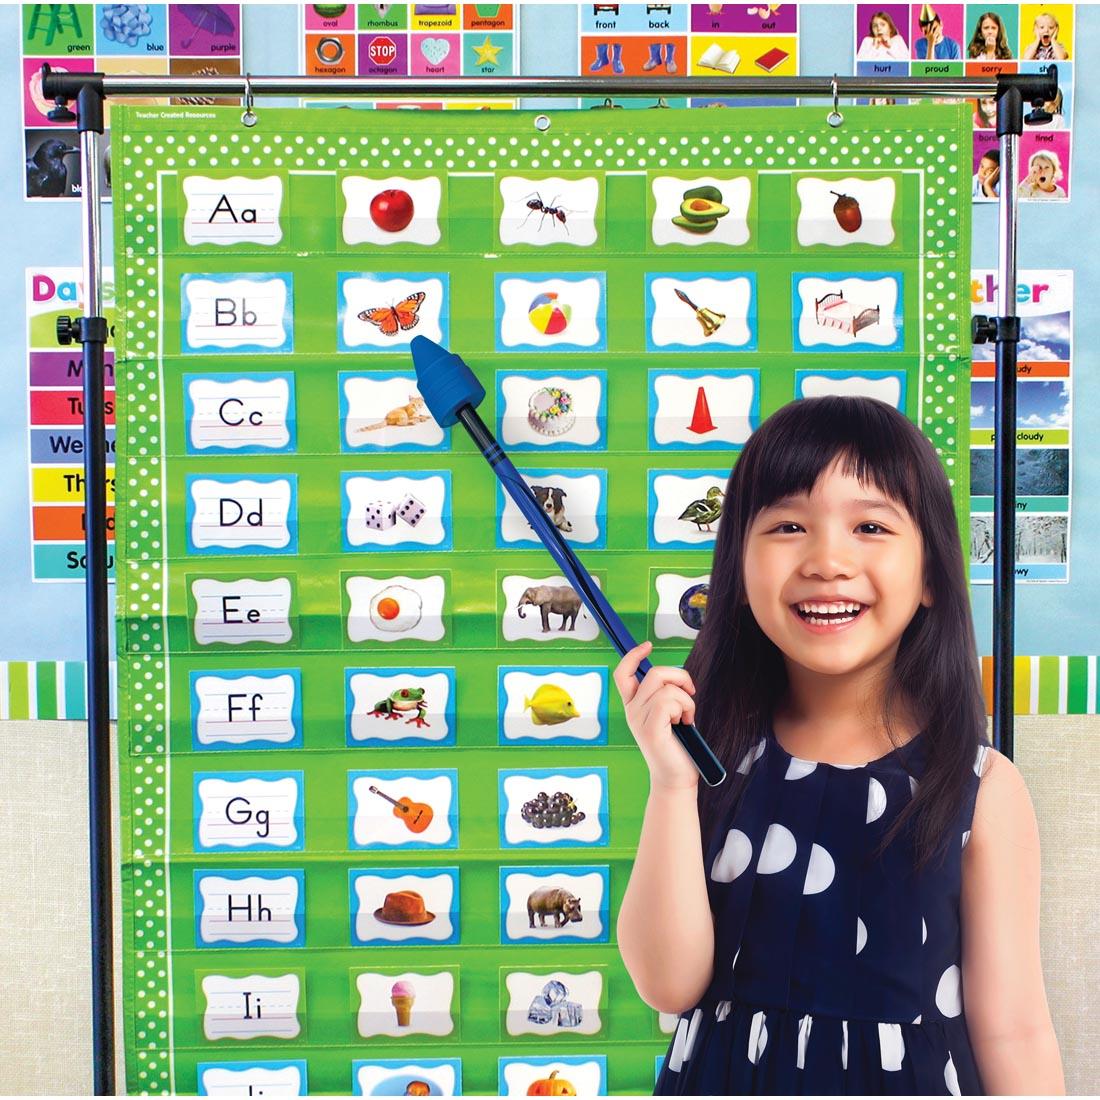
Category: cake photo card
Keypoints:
(387, 706)
(539, 311)
(400, 1003)
(227, 514)
(275, 1079)
(544, 609)
(681, 604)
(884, 385)
(395, 608)
(385, 411)
(701, 210)
(404, 905)
(575, 501)
(566, 410)
(250, 908)
(539, 705)
(549, 211)
(232, 210)
(256, 709)
(403, 809)
(836, 312)
(396, 511)
(379, 312)
(242, 611)
(845, 210)
(554, 904)
(684, 507)
(245, 413)
(566, 1074)
(405, 1077)
(553, 1003)
(702, 410)
(239, 812)
(553, 807)
(253, 1006)
(224, 313)
(392, 210)
(689, 312)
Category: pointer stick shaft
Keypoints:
(710, 768)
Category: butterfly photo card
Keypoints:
(379, 312)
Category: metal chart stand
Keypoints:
(90, 89)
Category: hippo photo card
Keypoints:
(554, 904)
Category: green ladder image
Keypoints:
(57, 19)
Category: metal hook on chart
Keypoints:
(249, 116)
(834, 117)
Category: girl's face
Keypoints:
(834, 577)
(880, 28)
(1042, 171)
(1044, 29)
(989, 31)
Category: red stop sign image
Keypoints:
(382, 51)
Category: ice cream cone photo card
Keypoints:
(396, 1004)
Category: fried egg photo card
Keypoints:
(234, 210)
(688, 313)
(684, 507)
(402, 1077)
(250, 908)
(231, 515)
(403, 809)
(553, 807)
(884, 385)
(406, 1003)
(259, 709)
(544, 609)
(681, 604)
(396, 511)
(845, 211)
(390, 210)
(584, 1074)
(539, 312)
(554, 904)
(379, 312)
(553, 1003)
(238, 812)
(384, 411)
(702, 410)
(242, 610)
(237, 313)
(252, 1006)
(576, 502)
(394, 609)
(276, 1079)
(835, 313)
(537, 705)
(700, 210)
(401, 905)
(551, 210)
(247, 413)
(385, 708)
(566, 410)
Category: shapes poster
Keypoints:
(1044, 427)
(944, 40)
(119, 39)
(380, 800)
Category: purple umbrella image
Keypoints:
(208, 17)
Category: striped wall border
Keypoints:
(56, 690)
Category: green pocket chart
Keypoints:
(380, 801)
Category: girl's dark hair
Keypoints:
(977, 42)
(739, 673)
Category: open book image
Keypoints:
(714, 57)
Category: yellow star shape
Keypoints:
(487, 53)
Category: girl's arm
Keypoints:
(665, 928)
(1003, 993)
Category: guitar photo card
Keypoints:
(403, 809)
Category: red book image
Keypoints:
(772, 59)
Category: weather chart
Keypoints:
(379, 803)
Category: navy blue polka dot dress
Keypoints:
(834, 973)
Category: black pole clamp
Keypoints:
(81, 330)
(989, 330)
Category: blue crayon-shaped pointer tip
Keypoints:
(444, 381)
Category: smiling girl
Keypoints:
(815, 920)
